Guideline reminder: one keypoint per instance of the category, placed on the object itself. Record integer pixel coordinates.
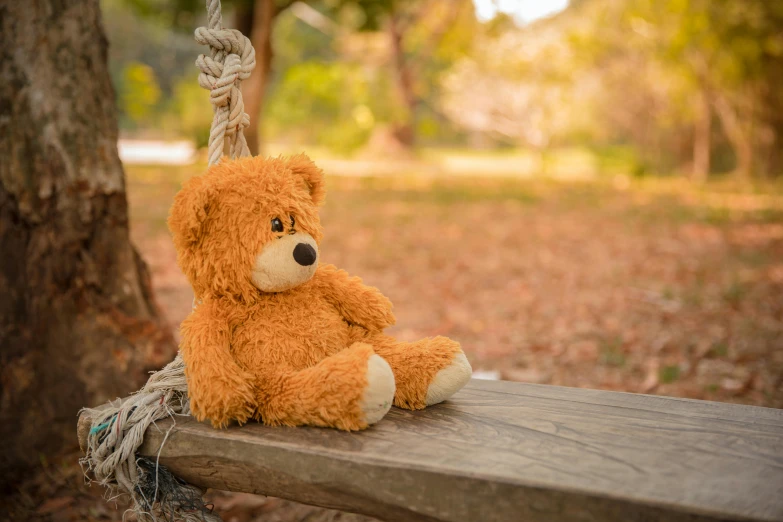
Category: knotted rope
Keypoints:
(231, 60)
(117, 431)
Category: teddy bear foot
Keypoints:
(379, 394)
(449, 380)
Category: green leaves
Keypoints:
(140, 92)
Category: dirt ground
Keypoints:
(650, 286)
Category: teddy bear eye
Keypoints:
(293, 221)
(277, 225)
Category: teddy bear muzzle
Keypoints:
(285, 263)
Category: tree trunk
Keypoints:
(243, 16)
(254, 88)
(78, 323)
(702, 133)
(405, 129)
(738, 136)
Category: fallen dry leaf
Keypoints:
(54, 504)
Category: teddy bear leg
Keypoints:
(426, 372)
(349, 390)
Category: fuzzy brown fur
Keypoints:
(294, 357)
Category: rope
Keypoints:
(231, 59)
(115, 435)
(117, 431)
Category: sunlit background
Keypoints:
(583, 193)
(681, 87)
(521, 11)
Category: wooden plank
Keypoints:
(502, 451)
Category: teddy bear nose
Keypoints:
(304, 254)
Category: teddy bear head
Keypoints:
(249, 225)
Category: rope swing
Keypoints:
(231, 60)
(117, 431)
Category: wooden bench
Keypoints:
(502, 451)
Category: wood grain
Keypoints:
(502, 451)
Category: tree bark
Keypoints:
(254, 88)
(78, 323)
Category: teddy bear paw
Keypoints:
(449, 380)
(379, 394)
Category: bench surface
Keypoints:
(503, 451)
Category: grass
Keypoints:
(669, 374)
(719, 349)
(734, 293)
(611, 353)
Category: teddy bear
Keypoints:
(278, 336)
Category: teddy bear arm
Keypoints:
(218, 388)
(358, 303)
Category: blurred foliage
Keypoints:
(643, 83)
(140, 93)
(633, 73)
(337, 89)
(192, 111)
(324, 103)
(365, 15)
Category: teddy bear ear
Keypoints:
(301, 165)
(190, 210)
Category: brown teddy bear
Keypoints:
(278, 335)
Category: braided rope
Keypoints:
(231, 59)
(117, 431)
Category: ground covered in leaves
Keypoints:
(652, 286)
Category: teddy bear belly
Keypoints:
(296, 340)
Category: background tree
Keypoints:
(677, 86)
(417, 31)
(652, 75)
(420, 41)
(255, 19)
(78, 322)
(727, 52)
